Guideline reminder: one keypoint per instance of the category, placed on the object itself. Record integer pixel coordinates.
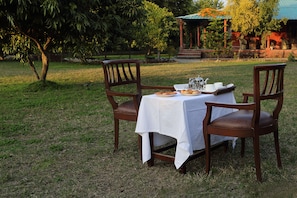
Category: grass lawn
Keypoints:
(58, 142)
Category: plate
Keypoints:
(162, 95)
(209, 91)
(165, 93)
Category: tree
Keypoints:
(131, 17)
(158, 26)
(215, 37)
(3, 40)
(46, 23)
(268, 23)
(211, 12)
(201, 4)
(82, 26)
(254, 17)
(178, 8)
(244, 14)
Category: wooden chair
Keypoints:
(124, 91)
(250, 120)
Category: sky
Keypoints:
(225, 1)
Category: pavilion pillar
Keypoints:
(181, 42)
(268, 42)
(225, 33)
(198, 37)
(191, 40)
(204, 37)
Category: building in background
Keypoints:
(276, 45)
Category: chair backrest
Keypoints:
(121, 76)
(121, 72)
(269, 84)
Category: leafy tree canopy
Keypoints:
(177, 7)
(82, 26)
(159, 25)
(253, 16)
(131, 18)
(202, 4)
(214, 37)
(211, 12)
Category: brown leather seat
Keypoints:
(122, 80)
(242, 120)
(126, 108)
(250, 120)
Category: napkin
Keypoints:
(230, 87)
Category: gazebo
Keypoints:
(278, 44)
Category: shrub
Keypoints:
(291, 57)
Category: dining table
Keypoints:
(179, 118)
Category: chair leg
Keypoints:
(257, 158)
(226, 146)
(207, 152)
(183, 169)
(242, 147)
(277, 151)
(116, 134)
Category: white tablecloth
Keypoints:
(179, 117)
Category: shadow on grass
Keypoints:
(42, 86)
(50, 85)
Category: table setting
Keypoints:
(179, 115)
(202, 86)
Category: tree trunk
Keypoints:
(1, 54)
(159, 55)
(44, 58)
(33, 68)
(45, 65)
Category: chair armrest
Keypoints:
(157, 87)
(112, 93)
(224, 90)
(240, 106)
(246, 97)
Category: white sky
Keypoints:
(225, 1)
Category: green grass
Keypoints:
(58, 142)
